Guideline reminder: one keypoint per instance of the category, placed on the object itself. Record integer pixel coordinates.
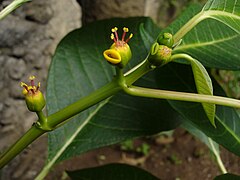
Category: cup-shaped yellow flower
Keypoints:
(33, 96)
(119, 53)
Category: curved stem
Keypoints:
(33, 133)
(11, 7)
(182, 56)
(218, 157)
(181, 96)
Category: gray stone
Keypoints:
(16, 68)
(39, 13)
(28, 40)
(98, 9)
(14, 31)
(19, 51)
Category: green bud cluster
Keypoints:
(161, 51)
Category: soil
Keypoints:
(181, 156)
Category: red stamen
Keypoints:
(113, 38)
(123, 36)
(116, 35)
(25, 87)
(32, 82)
(131, 35)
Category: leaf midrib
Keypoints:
(228, 129)
(211, 13)
(195, 45)
(72, 137)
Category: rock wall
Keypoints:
(28, 39)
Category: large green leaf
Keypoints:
(211, 42)
(225, 11)
(79, 68)
(178, 77)
(111, 172)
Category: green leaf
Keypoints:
(212, 42)
(78, 68)
(178, 77)
(227, 176)
(225, 11)
(110, 172)
(204, 85)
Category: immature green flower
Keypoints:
(166, 39)
(159, 54)
(119, 53)
(33, 96)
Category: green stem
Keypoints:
(188, 26)
(218, 158)
(42, 122)
(182, 96)
(84, 103)
(182, 56)
(55, 120)
(45, 124)
(119, 76)
(33, 133)
(11, 7)
(138, 71)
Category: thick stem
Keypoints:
(45, 124)
(182, 96)
(138, 71)
(33, 133)
(60, 117)
(84, 103)
(11, 7)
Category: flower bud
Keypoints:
(33, 96)
(166, 39)
(159, 55)
(119, 53)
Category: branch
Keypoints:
(11, 7)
